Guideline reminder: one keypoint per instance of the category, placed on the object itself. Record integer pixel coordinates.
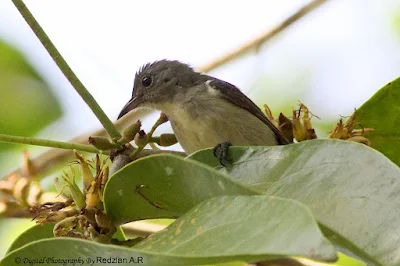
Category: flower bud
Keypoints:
(87, 176)
(101, 143)
(141, 139)
(339, 131)
(130, 132)
(163, 118)
(306, 117)
(299, 132)
(92, 195)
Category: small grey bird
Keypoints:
(203, 111)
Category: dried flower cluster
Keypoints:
(81, 214)
(299, 126)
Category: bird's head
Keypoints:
(160, 82)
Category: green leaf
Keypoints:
(170, 184)
(382, 113)
(34, 233)
(120, 235)
(348, 261)
(353, 190)
(229, 228)
(10, 229)
(27, 103)
(58, 251)
(43, 231)
(248, 228)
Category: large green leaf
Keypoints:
(37, 232)
(171, 186)
(27, 103)
(252, 227)
(228, 228)
(353, 190)
(382, 113)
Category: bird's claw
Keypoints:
(221, 152)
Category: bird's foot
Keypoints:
(221, 152)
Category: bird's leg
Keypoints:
(221, 151)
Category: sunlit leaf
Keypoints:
(382, 113)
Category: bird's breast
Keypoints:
(199, 125)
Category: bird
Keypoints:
(204, 112)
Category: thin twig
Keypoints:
(53, 158)
(67, 71)
(256, 42)
(48, 143)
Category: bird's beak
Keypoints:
(132, 104)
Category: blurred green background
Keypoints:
(332, 60)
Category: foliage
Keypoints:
(318, 173)
(259, 206)
(27, 103)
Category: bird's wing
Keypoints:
(234, 95)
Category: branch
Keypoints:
(67, 71)
(255, 43)
(49, 143)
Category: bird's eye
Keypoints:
(146, 81)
